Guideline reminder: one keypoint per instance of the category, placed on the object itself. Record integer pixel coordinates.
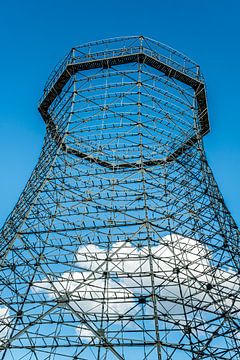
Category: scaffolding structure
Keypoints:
(121, 245)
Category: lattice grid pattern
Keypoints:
(121, 245)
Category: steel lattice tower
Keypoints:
(121, 245)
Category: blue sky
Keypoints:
(35, 35)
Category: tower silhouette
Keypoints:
(121, 245)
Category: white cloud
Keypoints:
(85, 334)
(182, 272)
(125, 257)
(89, 292)
(4, 323)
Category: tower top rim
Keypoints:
(138, 38)
(105, 54)
(126, 45)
